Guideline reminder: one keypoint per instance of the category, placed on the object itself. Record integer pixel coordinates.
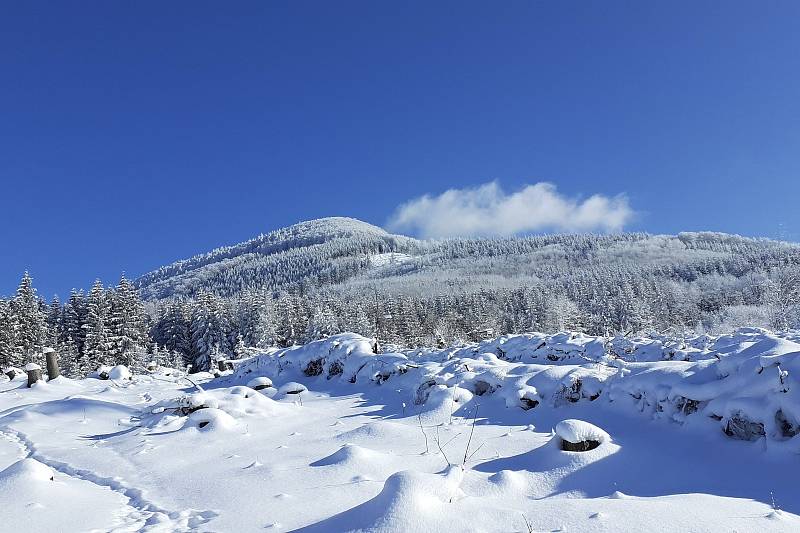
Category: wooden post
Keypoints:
(52, 363)
(34, 373)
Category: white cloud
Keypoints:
(488, 211)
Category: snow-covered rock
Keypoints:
(14, 373)
(119, 372)
(102, 372)
(577, 435)
(259, 383)
(292, 387)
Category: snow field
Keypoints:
(459, 439)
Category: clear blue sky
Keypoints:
(133, 134)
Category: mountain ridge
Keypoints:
(329, 251)
(305, 234)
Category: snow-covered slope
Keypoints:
(335, 250)
(682, 435)
(301, 252)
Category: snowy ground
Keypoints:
(358, 450)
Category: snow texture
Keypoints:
(695, 436)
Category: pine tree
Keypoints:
(172, 330)
(176, 361)
(209, 332)
(127, 335)
(69, 358)
(96, 348)
(288, 329)
(323, 323)
(55, 324)
(29, 324)
(7, 344)
(75, 312)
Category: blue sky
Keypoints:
(137, 133)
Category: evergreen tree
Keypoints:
(323, 323)
(209, 332)
(75, 312)
(7, 344)
(172, 330)
(29, 324)
(69, 359)
(96, 347)
(55, 324)
(127, 334)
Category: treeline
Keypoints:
(324, 277)
(107, 326)
(111, 326)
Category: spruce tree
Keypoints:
(29, 324)
(96, 348)
(75, 311)
(55, 324)
(127, 335)
(209, 332)
(7, 344)
(172, 330)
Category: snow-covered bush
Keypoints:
(746, 381)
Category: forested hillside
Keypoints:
(327, 276)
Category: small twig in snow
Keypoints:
(476, 450)
(452, 404)
(474, 418)
(419, 417)
(527, 523)
(438, 443)
(452, 439)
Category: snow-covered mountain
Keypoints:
(309, 253)
(343, 251)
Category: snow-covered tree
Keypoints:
(98, 309)
(29, 323)
(209, 331)
(75, 312)
(55, 324)
(127, 331)
(7, 344)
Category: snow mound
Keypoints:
(25, 471)
(345, 357)
(216, 409)
(259, 383)
(576, 431)
(409, 501)
(350, 454)
(119, 373)
(509, 482)
(14, 373)
(210, 419)
(745, 385)
(374, 431)
(292, 387)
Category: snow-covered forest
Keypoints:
(328, 276)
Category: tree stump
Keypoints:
(34, 373)
(52, 363)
